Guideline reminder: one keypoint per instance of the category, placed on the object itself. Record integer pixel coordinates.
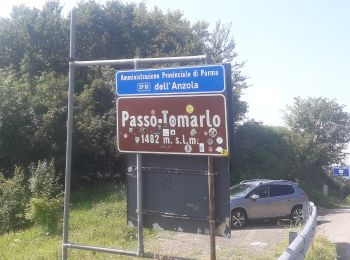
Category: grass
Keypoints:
(97, 217)
(321, 248)
(280, 248)
(29, 244)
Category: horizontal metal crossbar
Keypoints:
(139, 60)
(175, 171)
(105, 250)
(173, 215)
(132, 171)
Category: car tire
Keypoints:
(297, 215)
(238, 218)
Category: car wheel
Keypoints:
(238, 218)
(297, 215)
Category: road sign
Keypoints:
(190, 124)
(181, 80)
(340, 171)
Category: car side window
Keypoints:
(261, 191)
(281, 190)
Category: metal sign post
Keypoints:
(69, 136)
(211, 186)
(139, 195)
(341, 188)
(211, 193)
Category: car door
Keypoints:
(258, 208)
(281, 196)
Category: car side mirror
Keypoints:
(254, 197)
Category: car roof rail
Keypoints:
(281, 180)
(261, 180)
(248, 181)
(286, 180)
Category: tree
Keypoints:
(32, 119)
(261, 152)
(33, 41)
(94, 149)
(320, 131)
(221, 45)
(33, 79)
(16, 124)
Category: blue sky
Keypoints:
(292, 48)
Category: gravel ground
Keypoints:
(260, 240)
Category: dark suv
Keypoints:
(262, 199)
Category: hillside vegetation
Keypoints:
(98, 217)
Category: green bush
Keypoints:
(47, 213)
(44, 181)
(14, 198)
(46, 203)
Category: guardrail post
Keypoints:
(292, 236)
(305, 212)
(325, 190)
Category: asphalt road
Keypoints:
(335, 224)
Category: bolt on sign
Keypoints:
(186, 124)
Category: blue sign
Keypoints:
(181, 80)
(340, 171)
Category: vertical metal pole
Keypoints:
(341, 187)
(69, 136)
(211, 189)
(140, 246)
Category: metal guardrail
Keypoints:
(298, 248)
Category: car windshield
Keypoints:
(240, 189)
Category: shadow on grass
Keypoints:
(165, 257)
(86, 197)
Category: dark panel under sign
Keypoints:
(176, 188)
